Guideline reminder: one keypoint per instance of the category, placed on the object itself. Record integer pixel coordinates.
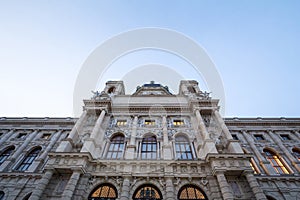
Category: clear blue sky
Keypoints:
(254, 45)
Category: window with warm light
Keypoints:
(104, 192)
(122, 122)
(276, 162)
(147, 192)
(149, 122)
(178, 122)
(191, 192)
(253, 166)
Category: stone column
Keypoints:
(130, 153)
(37, 162)
(166, 144)
(125, 189)
(257, 191)
(208, 144)
(284, 149)
(67, 144)
(6, 136)
(42, 184)
(71, 185)
(224, 186)
(233, 146)
(169, 189)
(97, 126)
(90, 144)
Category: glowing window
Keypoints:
(190, 192)
(178, 122)
(183, 148)
(149, 122)
(28, 160)
(149, 148)
(147, 192)
(121, 122)
(253, 166)
(116, 147)
(6, 154)
(276, 162)
(104, 192)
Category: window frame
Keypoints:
(149, 148)
(182, 146)
(116, 147)
(277, 162)
(6, 153)
(28, 159)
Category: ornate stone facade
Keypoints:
(150, 145)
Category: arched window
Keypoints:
(2, 195)
(149, 148)
(116, 147)
(6, 153)
(28, 160)
(296, 153)
(147, 192)
(183, 148)
(104, 192)
(276, 162)
(191, 192)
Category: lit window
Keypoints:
(121, 122)
(191, 192)
(149, 148)
(276, 162)
(253, 167)
(183, 148)
(149, 122)
(116, 147)
(147, 192)
(46, 136)
(178, 122)
(22, 135)
(234, 136)
(104, 192)
(259, 137)
(285, 137)
(296, 153)
(6, 154)
(28, 160)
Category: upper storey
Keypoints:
(152, 96)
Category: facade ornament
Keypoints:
(161, 182)
(177, 181)
(204, 181)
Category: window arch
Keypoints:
(276, 162)
(6, 153)
(147, 192)
(183, 148)
(296, 153)
(149, 148)
(191, 192)
(116, 147)
(105, 191)
(28, 160)
(2, 195)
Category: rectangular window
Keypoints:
(285, 137)
(149, 122)
(178, 122)
(259, 137)
(46, 136)
(122, 122)
(22, 135)
(234, 136)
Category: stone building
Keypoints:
(150, 145)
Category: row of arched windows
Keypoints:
(146, 192)
(277, 162)
(25, 162)
(149, 148)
